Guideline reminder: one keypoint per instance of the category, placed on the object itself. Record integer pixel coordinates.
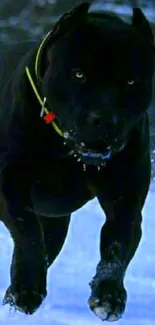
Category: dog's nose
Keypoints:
(94, 119)
(97, 120)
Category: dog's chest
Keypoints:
(60, 187)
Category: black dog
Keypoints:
(74, 125)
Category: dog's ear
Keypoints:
(70, 19)
(140, 22)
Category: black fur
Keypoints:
(96, 72)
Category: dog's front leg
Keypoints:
(28, 268)
(119, 240)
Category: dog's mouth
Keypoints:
(95, 153)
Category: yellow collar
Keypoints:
(44, 109)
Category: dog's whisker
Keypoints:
(71, 152)
(79, 160)
(66, 135)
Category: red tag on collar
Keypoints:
(48, 118)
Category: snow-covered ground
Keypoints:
(68, 279)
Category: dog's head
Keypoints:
(98, 80)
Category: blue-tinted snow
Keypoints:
(68, 278)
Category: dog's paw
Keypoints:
(25, 301)
(108, 299)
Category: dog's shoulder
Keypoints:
(10, 58)
(13, 59)
(13, 106)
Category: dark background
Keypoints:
(29, 19)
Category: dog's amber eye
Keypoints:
(78, 75)
(131, 82)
